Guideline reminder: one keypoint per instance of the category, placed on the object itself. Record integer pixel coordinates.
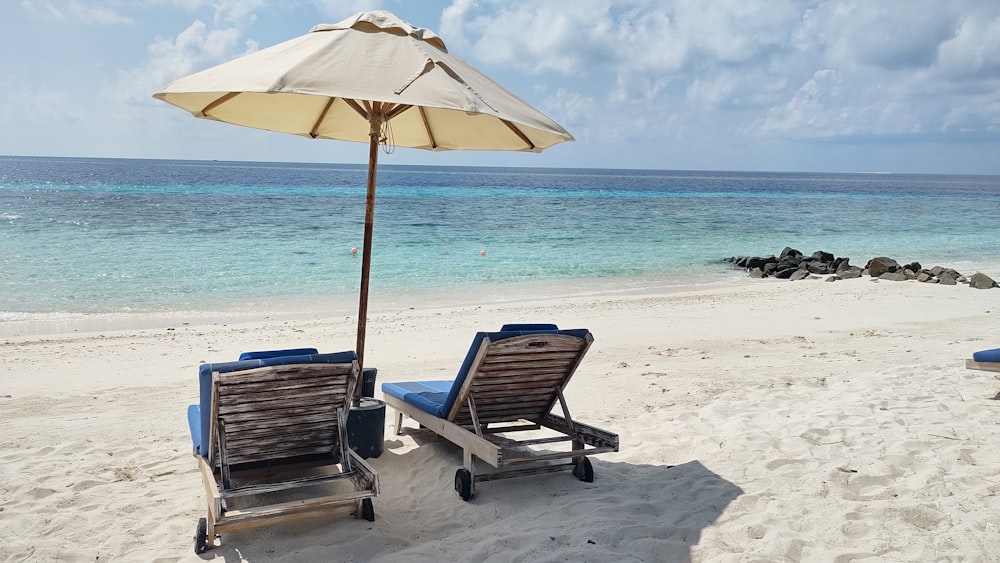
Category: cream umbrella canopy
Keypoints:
(372, 78)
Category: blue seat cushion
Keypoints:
(529, 327)
(987, 355)
(428, 396)
(265, 354)
(425, 395)
(199, 416)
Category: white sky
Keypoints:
(779, 85)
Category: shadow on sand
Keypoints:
(631, 512)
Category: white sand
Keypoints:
(803, 421)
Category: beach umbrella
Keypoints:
(372, 78)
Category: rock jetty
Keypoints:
(794, 265)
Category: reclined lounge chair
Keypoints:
(988, 360)
(271, 441)
(509, 382)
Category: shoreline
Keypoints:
(341, 304)
(337, 305)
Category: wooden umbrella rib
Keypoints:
(322, 117)
(519, 133)
(365, 113)
(396, 110)
(427, 128)
(216, 103)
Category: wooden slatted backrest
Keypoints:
(515, 378)
(285, 411)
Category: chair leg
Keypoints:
(399, 422)
(469, 463)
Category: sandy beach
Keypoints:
(762, 421)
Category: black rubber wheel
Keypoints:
(463, 483)
(584, 471)
(368, 510)
(201, 536)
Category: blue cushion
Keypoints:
(525, 327)
(987, 355)
(265, 354)
(425, 395)
(194, 424)
(428, 396)
(205, 372)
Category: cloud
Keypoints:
(886, 36)
(974, 50)
(196, 47)
(793, 69)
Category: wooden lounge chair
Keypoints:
(988, 360)
(508, 384)
(270, 437)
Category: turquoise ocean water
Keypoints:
(107, 236)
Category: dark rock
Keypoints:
(914, 266)
(925, 277)
(758, 261)
(785, 274)
(799, 275)
(789, 262)
(946, 279)
(815, 267)
(881, 265)
(850, 273)
(840, 264)
(980, 280)
(832, 279)
(790, 252)
(820, 256)
(893, 276)
(937, 271)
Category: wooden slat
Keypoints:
(317, 387)
(514, 393)
(280, 417)
(285, 373)
(283, 403)
(249, 455)
(496, 361)
(255, 430)
(278, 441)
(544, 379)
(291, 484)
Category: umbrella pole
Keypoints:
(366, 252)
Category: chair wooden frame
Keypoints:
(511, 387)
(281, 429)
(985, 366)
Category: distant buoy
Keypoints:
(482, 253)
(354, 251)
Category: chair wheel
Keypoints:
(584, 471)
(463, 483)
(368, 510)
(201, 536)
